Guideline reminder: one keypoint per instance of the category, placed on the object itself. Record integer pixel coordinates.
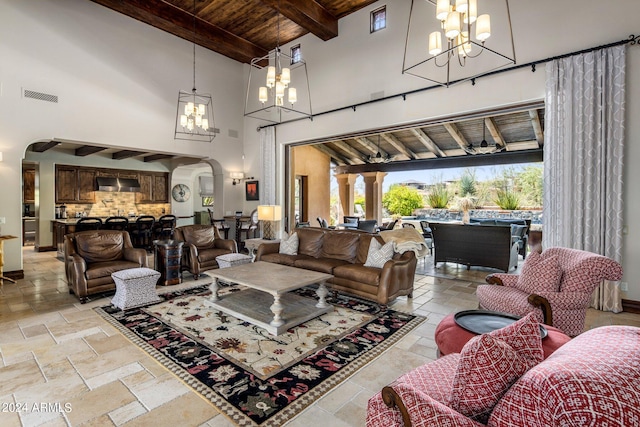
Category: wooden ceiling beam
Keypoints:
(340, 160)
(457, 136)
(172, 19)
(41, 147)
(356, 156)
(537, 126)
(427, 142)
(495, 133)
(373, 148)
(395, 142)
(87, 150)
(501, 158)
(125, 154)
(309, 15)
(155, 157)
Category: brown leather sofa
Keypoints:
(202, 244)
(343, 254)
(91, 257)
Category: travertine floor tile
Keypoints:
(96, 403)
(189, 407)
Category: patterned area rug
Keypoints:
(251, 376)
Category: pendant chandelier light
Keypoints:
(194, 117)
(379, 157)
(278, 87)
(447, 40)
(483, 147)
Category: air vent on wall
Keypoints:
(233, 133)
(39, 96)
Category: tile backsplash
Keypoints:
(114, 203)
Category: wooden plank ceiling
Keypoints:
(240, 29)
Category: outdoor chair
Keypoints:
(427, 234)
(556, 284)
(368, 225)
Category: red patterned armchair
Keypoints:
(557, 285)
(590, 381)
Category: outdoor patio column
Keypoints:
(346, 183)
(373, 195)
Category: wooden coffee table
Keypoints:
(267, 301)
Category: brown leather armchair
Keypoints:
(91, 257)
(202, 244)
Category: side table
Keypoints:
(253, 244)
(450, 338)
(167, 257)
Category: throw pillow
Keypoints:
(487, 368)
(289, 244)
(539, 274)
(524, 337)
(378, 254)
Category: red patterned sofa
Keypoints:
(590, 381)
(557, 285)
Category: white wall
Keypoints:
(117, 82)
(350, 68)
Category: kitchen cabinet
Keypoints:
(60, 228)
(86, 185)
(153, 187)
(161, 188)
(28, 186)
(75, 184)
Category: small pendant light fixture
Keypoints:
(194, 117)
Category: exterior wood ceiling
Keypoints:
(240, 29)
(512, 137)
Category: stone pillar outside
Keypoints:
(346, 184)
(373, 195)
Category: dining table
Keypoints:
(239, 219)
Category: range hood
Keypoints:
(125, 185)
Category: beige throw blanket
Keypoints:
(406, 239)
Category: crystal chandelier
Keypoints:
(194, 118)
(271, 94)
(461, 34)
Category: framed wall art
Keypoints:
(251, 190)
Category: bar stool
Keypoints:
(141, 234)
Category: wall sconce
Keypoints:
(236, 177)
(268, 214)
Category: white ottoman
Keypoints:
(228, 260)
(135, 287)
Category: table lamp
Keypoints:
(268, 214)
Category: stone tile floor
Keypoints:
(59, 353)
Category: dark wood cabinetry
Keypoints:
(77, 184)
(28, 185)
(86, 185)
(154, 187)
(60, 228)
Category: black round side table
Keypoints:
(167, 256)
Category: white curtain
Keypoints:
(583, 158)
(268, 152)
